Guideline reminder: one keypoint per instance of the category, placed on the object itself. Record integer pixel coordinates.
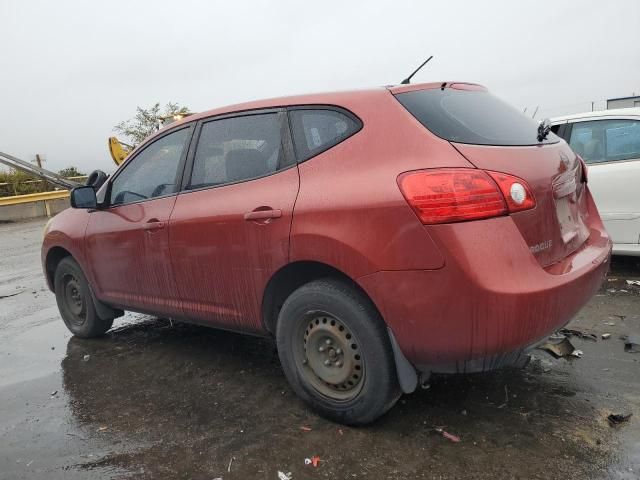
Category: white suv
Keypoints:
(609, 142)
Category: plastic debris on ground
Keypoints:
(577, 353)
(633, 282)
(284, 476)
(631, 343)
(558, 347)
(568, 332)
(447, 435)
(616, 419)
(315, 461)
(305, 429)
(86, 358)
(606, 336)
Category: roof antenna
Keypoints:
(407, 80)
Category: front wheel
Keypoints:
(75, 302)
(335, 352)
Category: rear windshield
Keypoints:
(471, 116)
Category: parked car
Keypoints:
(380, 235)
(609, 142)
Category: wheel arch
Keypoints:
(293, 275)
(53, 258)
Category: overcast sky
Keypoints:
(70, 70)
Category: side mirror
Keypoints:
(83, 197)
(96, 179)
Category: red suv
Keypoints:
(380, 235)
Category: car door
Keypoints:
(127, 240)
(229, 230)
(611, 149)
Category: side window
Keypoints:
(316, 130)
(606, 140)
(153, 172)
(239, 148)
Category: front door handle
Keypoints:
(263, 214)
(153, 225)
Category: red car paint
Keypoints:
(452, 294)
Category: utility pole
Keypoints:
(45, 185)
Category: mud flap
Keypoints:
(407, 376)
(105, 312)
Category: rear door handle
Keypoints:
(153, 225)
(263, 214)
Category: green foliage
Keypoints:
(16, 182)
(70, 172)
(146, 121)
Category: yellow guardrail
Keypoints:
(33, 197)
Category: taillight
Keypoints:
(515, 190)
(460, 194)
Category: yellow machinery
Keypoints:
(118, 150)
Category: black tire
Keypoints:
(353, 385)
(75, 302)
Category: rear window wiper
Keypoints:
(544, 127)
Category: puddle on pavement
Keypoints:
(181, 398)
(34, 353)
(155, 399)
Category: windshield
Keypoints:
(472, 116)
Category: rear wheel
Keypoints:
(75, 301)
(335, 352)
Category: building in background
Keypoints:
(623, 102)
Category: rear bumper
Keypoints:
(491, 300)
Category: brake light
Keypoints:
(462, 194)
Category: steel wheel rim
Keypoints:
(74, 299)
(329, 356)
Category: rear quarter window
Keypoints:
(472, 116)
(318, 129)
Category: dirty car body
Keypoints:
(408, 230)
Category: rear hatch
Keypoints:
(496, 137)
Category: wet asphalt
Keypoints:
(162, 400)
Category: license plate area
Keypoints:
(572, 228)
(568, 218)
